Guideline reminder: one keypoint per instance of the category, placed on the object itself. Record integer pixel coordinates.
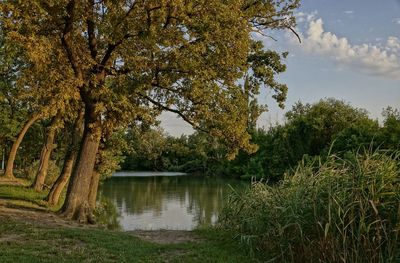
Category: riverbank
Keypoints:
(29, 235)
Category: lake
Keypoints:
(151, 201)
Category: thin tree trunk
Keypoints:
(45, 155)
(54, 195)
(13, 153)
(3, 159)
(94, 185)
(76, 204)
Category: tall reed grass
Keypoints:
(341, 210)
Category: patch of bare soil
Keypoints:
(166, 236)
(42, 218)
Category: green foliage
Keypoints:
(145, 148)
(315, 126)
(340, 210)
(312, 131)
(111, 154)
(106, 214)
(391, 128)
(363, 134)
(151, 149)
(13, 111)
(131, 61)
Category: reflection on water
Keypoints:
(171, 202)
(146, 174)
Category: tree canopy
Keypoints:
(126, 61)
(132, 59)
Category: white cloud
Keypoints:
(397, 20)
(349, 12)
(393, 43)
(302, 17)
(367, 58)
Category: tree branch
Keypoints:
(111, 48)
(126, 14)
(66, 38)
(91, 30)
(179, 113)
(295, 33)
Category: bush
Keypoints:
(339, 211)
(107, 214)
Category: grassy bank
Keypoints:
(25, 197)
(32, 242)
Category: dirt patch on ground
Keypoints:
(166, 236)
(32, 216)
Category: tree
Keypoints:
(46, 153)
(391, 128)
(364, 134)
(13, 111)
(146, 146)
(11, 158)
(316, 125)
(69, 160)
(133, 59)
(30, 88)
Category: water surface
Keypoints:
(166, 201)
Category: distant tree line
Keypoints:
(310, 131)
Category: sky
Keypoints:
(350, 50)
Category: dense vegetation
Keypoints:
(329, 126)
(340, 210)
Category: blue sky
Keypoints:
(350, 50)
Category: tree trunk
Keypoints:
(3, 159)
(76, 204)
(45, 155)
(94, 185)
(54, 195)
(13, 153)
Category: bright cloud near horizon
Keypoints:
(350, 51)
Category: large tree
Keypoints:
(132, 59)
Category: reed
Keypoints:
(341, 210)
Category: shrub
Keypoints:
(339, 211)
(106, 214)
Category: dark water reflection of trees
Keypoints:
(198, 197)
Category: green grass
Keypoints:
(21, 193)
(26, 197)
(24, 242)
